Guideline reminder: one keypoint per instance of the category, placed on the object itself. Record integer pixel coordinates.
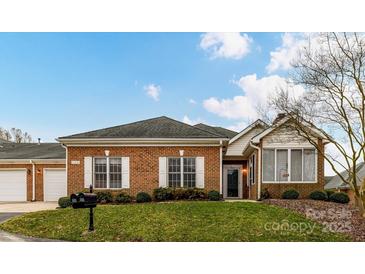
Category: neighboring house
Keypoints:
(30, 172)
(162, 152)
(337, 184)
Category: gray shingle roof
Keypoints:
(336, 181)
(217, 130)
(160, 127)
(32, 151)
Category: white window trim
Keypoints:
(289, 165)
(181, 170)
(107, 173)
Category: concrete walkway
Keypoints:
(26, 207)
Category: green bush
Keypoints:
(123, 198)
(104, 197)
(214, 195)
(265, 194)
(339, 197)
(180, 194)
(290, 194)
(329, 193)
(64, 202)
(196, 194)
(143, 197)
(163, 194)
(318, 195)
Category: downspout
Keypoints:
(259, 171)
(65, 147)
(221, 167)
(33, 180)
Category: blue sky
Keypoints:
(55, 84)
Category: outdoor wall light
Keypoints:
(107, 152)
(181, 153)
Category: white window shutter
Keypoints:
(200, 172)
(125, 172)
(88, 171)
(162, 175)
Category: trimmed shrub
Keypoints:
(163, 194)
(143, 197)
(64, 202)
(329, 193)
(214, 195)
(318, 195)
(265, 194)
(290, 194)
(339, 197)
(104, 197)
(196, 194)
(123, 198)
(180, 194)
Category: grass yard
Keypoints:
(174, 222)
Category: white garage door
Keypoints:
(55, 185)
(13, 185)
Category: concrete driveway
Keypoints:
(26, 207)
(9, 210)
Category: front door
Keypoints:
(232, 181)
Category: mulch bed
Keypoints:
(336, 217)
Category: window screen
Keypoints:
(268, 163)
(296, 165)
(309, 165)
(282, 165)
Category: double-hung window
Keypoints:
(289, 165)
(182, 172)
(107, 172)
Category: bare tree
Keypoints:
(333, 74)
(15, 135)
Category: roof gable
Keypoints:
(282, 121)
(336, 181)
(160, 127)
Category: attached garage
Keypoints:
(55, 185)
(13, 185)
(32, 172)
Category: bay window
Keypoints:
(289, 165)
(182, 172)
(107, 172)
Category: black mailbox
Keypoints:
(83, 200)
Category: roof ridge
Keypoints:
(195, 128)
(127, 124)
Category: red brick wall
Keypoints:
(144, 165)
(39, 177)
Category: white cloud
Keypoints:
(191, 122)
(282, 57)
(238, 127)
(192, 101)
(230, 45)
(153, 91)
(256, 91)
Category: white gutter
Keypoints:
(259, 171)
(33, 180)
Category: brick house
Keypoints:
(162, 152)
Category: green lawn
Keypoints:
(173, 222)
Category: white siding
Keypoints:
(237, 147)
(284, 136)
